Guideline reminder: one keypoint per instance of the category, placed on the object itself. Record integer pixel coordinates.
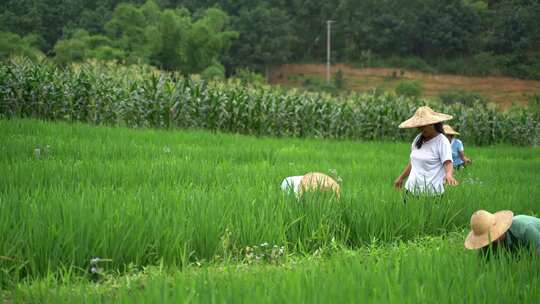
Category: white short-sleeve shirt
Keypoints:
(292, 183)
(427, 172)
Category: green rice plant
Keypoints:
(146, 197)
(430, 270)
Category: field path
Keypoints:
(502, 90)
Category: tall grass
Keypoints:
(140, 97)
(426, 272)
(151, 196)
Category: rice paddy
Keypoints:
(196, 216)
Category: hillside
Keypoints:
(501, 90)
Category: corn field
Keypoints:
(141, 97)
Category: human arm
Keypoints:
(449, 174)
(445, 154)
(461, 152)
(464, 158)
(398, 183)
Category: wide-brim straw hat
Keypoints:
(315, 181)
(424, 116)
(449, 130)
(487, 227)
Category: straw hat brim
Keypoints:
(448, 130)
(415, 121)
(502, 224)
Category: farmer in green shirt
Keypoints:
(503, 229)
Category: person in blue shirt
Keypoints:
(458, 154)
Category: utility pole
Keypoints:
(328, 33)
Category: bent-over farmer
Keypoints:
(503, 229)
(310, 182)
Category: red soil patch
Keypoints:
(501, 90)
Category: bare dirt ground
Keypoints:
(501, 90)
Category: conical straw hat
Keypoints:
(424, 116)
(449, 130)
(319, 181)
(487, 227)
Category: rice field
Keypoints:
(196, 216)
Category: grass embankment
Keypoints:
(148, 197)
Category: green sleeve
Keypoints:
(532, 235)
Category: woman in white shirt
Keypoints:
(430, 165)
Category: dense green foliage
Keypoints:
(71, 192)
(169, 39)
(12, 44)
(409, 88)
(431, 270)
(477, 37)
(265, 39)
(141, 97)
(126, 199)
(214, 72)
(534, 104)
(81, 46)
(466, 98)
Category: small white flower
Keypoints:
(167, 150)
(37, 152)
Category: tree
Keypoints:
(271, 32)
(127, 28)
(446, 28)
(208, 37)
(515, 27)
(94, 20)
(13, 45)
(168, 39)
(80, 46)
(265, 38)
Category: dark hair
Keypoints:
(438, 127)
